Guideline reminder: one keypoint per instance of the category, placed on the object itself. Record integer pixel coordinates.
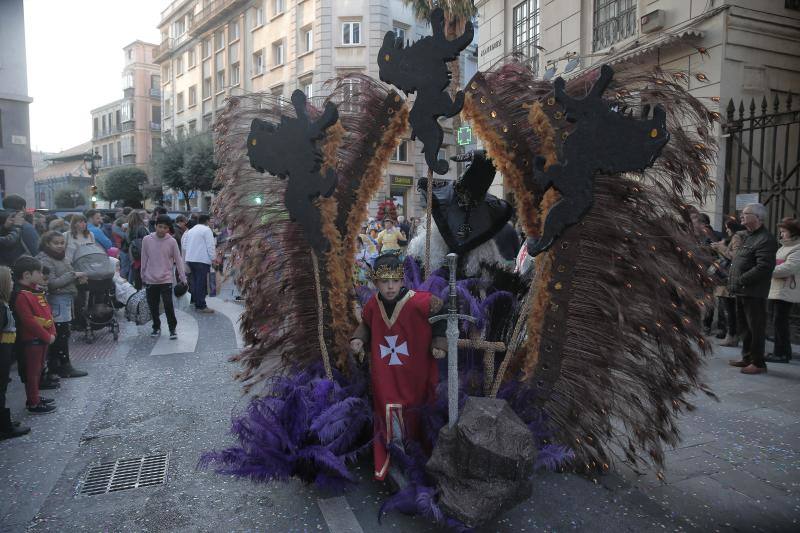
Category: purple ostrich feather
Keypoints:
(308, 427)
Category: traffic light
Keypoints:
(93, 192)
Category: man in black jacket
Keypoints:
(748, 280)
(28, 244)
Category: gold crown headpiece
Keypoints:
(386, 272)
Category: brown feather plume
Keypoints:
(614, 344)
(269, 252)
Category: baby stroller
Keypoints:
(99, 310)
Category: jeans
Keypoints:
(124, 264)
(783, 339)
(199, 279)
(751, 313)
(161, 292)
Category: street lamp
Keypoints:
(94, 167)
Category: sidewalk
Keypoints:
(737, 469)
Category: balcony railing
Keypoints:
(128, 126)
(212, 13)
(155, 126)
(155, 92)
(163, 49)
(108, 132)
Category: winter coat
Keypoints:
(62, 277)
(751, 270)
(74, 242)
(785, 284)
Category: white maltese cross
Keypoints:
(393, 350)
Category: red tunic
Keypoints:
(404, 373)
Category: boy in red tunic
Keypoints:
(402, 345)
(35, 327)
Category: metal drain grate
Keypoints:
(124, 474)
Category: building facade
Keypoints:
(726, 50)
(212, 49)
(127, 131)
(63, 171)
(16, 169)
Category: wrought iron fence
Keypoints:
(762, 157)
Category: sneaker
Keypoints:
(41, 409)
(46, 401)
(206, 310)
(173, 335)
(155, 333)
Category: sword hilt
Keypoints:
(458, 316)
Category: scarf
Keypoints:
(53, 254)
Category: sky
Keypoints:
(75, 61)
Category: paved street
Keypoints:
(738, 468)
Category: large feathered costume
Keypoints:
(604, 345)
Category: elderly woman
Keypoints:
(784, 290)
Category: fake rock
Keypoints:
(482, 465)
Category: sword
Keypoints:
(452, 318)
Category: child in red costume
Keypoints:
(402, 344)
(35, 327)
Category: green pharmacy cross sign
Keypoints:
(464, 135)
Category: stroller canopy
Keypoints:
(92, 259)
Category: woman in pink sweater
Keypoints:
(160, 258)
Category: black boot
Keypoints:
(66, 370)
(9, 430)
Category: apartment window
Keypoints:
(111, 153)
(233, 31)
(206, 48)
(233, 52)
(179, 27)
(167, 107)
(95, 130)
(351, 32)
(190, 58)
(129, 54)
(400, 33)
(127, 113)
(526, 31)
(166, 72)
(401, 152)
(179, 66)
(155, 115)
(118, 115)
(192, 127)
(155, 82)
(219, 40)
(278, 6)
(259, 18)
(614, 20)
(307, 87)
(181, 132)
(258, 62)
(220, 80)
(207, 122)
(105, 155)
(277, 53)
(206, 87)
(127, 80)
(119, 150)
(179, 103)
(307, 41)
(235, 74)
(349, 94)
(192, 95)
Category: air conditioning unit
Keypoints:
(652, 21)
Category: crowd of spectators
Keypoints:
(43, 297)
(754, 272)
